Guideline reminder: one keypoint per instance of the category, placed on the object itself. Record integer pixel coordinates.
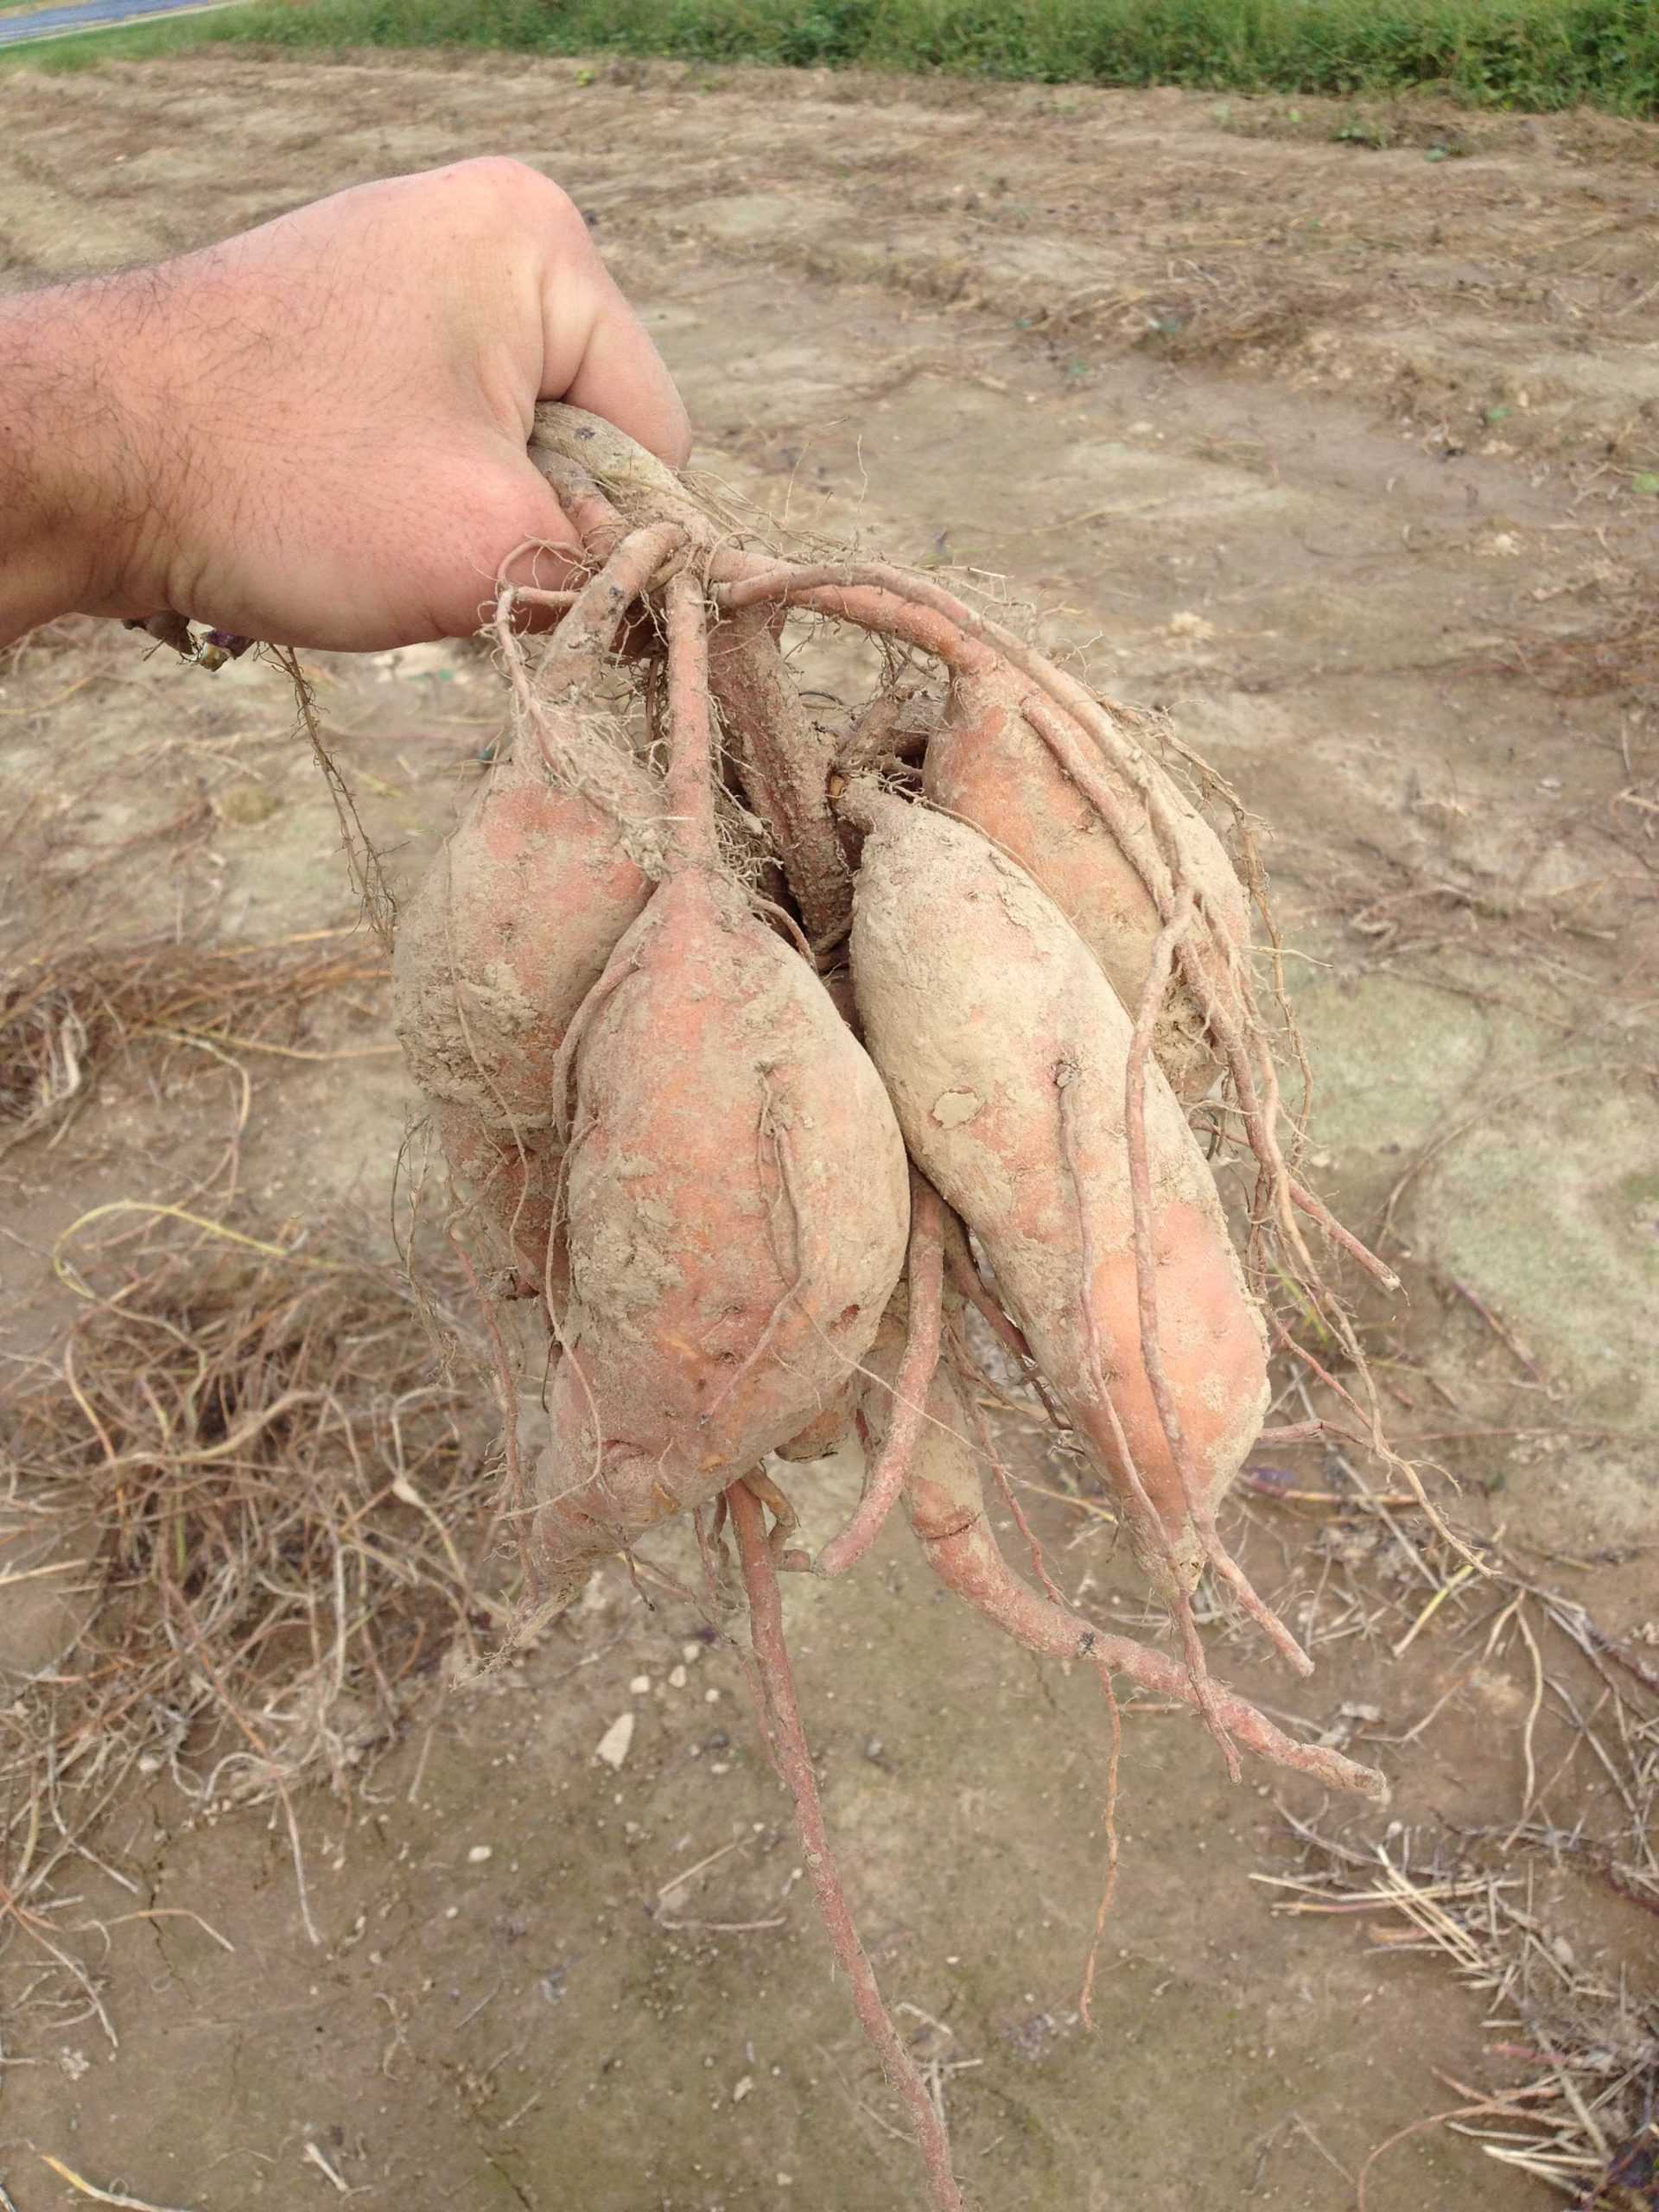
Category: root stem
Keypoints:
(794, 1761)
(911, 1385)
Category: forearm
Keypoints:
(72, 495)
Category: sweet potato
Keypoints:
(496, 950)
(1005, 1052)
(736, 1196)
(553, 857)
(509, 931)
(986, 764)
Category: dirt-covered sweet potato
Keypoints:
(986, 764)
(736, 1201)
(1005, 1052)
(497, 948)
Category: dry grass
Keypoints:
(66, 1014)
(1619, 653)
(1581, 2116)
(267, 1497)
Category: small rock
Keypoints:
(478, 1854)
(614, 1744)
(745, 2088)
(676, 1678)
(640, 1686)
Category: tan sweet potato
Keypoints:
(986, 764)
(496, 950)
(736, 1195)
(1005, 1052)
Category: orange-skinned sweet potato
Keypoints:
(987, 765)
(736, 1210)
(1005, 1052)
(495, 952)
(736, 1192)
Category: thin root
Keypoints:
(794, 1761)
(886, 1478)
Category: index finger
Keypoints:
(597, 354)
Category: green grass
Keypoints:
(1521, 54)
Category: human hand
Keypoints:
(314, 434)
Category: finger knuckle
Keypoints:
(522, 191)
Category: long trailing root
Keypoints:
(886, 1476)
(947, 1512)
(945, 1504)
(1043, 1627)
(793, 1759)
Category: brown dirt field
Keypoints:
(1348, 455)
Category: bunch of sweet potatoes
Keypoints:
(761, 1047)
(708, 999)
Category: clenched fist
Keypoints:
(314, 433)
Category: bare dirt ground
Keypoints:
(1346, 449)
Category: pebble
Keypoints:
(614, 1744)
(745, 2088)
(640, 1686)
(478, 1854)
(676, 1678)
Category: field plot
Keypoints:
(1334, 431)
